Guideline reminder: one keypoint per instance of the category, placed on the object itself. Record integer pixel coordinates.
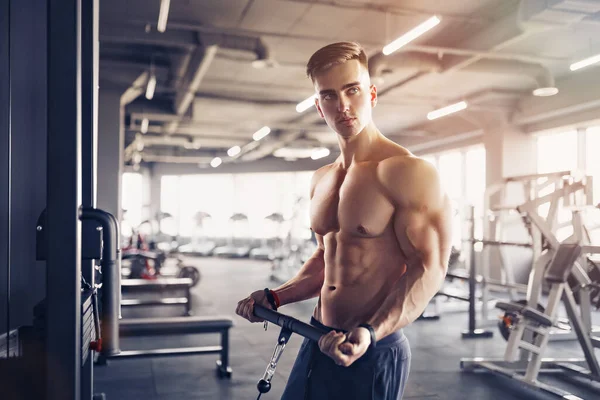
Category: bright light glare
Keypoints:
(411, 35)
(447, 110)
(261, 133)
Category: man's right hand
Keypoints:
(245, 307)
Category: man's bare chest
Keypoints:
(352, 202)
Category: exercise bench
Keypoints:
(177, 326)
(158, 285)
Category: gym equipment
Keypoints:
(531, 329)
(288, 326)
(200, 244)
(141, 261)
(144, 264)
(238, 246)
(531, 333)
(271, 247)
(296, 247)
(177, 326)
(550, 190)
(113, 328)
(143, 286)
(567, 190)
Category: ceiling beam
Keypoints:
(137, 35)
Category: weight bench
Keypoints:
(179, 326)
(158, 285)
(556, 275)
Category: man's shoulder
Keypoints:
(407, 177)
(318, 174)
(404, 165)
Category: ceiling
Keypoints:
(210, 96)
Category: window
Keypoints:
(557, 152)
(254, 195)
(592, 147)
(475, 185)
(462, 173)
(132, 201)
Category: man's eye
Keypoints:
(353, 90)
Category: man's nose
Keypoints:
(343, 103)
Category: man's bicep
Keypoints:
(424, 235)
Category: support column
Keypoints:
(509, 152)
(63, 228)
(110, 150)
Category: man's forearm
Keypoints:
(405, 304)
(306, 284)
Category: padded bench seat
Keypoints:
(173, 326)
(525, 311)
(158, 285)
(161, 283)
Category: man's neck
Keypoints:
(358, 147)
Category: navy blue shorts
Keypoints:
(380, 374)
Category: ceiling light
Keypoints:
(545, 91)
(151, 86)
(447, 110)
(320, 153)
(261, 133)
(163, 15)
(234, 151)
(144, 126)
(585, 62)
(215, 162)
(411, 35)
(306, 104)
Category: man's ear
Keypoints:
(373, 91)
(318, 107)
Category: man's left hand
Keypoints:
(345, 352)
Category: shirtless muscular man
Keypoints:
(383, 226)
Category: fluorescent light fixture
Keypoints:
(585, 63)
(151, 86)
(411, 35)
(319, 153)
(234, 151)
(447, 110)
(261, 133)
(545, 91)
(144, 126)
(163, 15)
(306, 104)
(215, 162)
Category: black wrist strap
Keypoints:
(271, 298)
(372, 332)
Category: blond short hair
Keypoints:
(333, 54)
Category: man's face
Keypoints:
(345, 97)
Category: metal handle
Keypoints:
(287, 322)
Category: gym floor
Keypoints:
(436, 347)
